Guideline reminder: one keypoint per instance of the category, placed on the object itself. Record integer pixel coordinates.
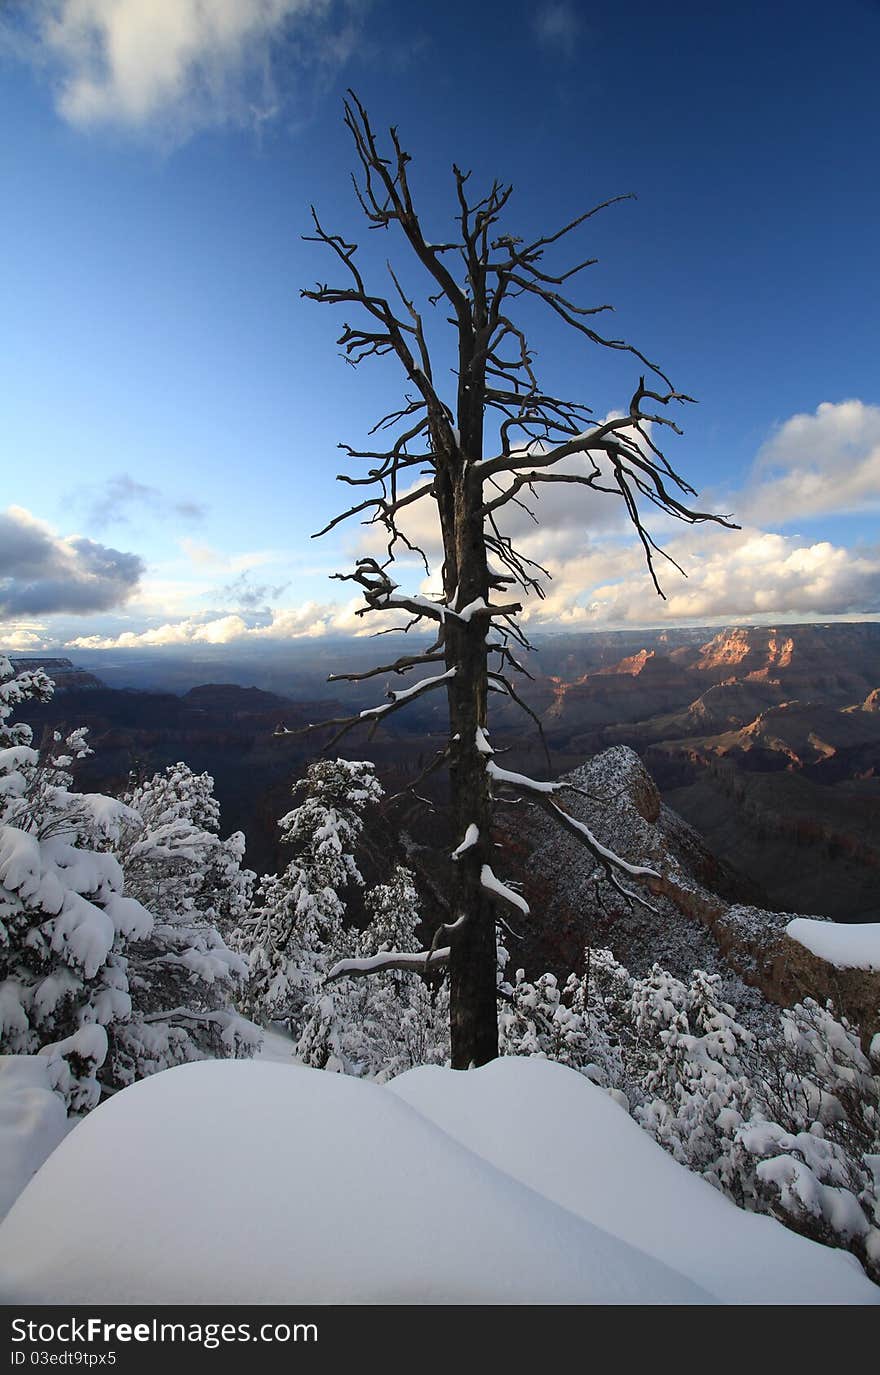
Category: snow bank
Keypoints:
(33, 1121)
(253, 1182)
(546, 1126)
(847, 946)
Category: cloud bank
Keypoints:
(813, 465)
(731, 575)
(42, 573)
(311, 620)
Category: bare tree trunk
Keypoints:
(473, 955)
(473, 1012)
(537, 432)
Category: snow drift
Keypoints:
(255, 1182)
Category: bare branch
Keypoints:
(401, 666)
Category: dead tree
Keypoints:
(435, 451)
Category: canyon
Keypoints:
(765, 739)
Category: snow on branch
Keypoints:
(482, 742)
(540, 794)
(406, 694)
(377, 713)
(400, 666)
(418, 962)
(500, 890)
(602, 852)
(520, 780)
(471, 838)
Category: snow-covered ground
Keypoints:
(277, 1045)
(33, 1121)
(521, 1182)
(845, 945)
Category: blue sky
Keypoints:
(171, 408)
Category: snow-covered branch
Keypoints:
(471, 838)
(416, 961)
(500, 890)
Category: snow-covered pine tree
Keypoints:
(183, 976)
(578, 1022)
(382, 1026)
(294, 932)
(65, 925)
(177, 859)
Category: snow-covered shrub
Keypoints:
(811, 1153)
(540, 1020)
(15, 688)
(176, 859)
(379, 1026)
(295, 929)
(787, 1123)
(65, 924)
(693, 1051)
(183, 977)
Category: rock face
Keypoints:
(617, 798)
(839, 661)
(756, 667)
(638, 686)
(745, 652)
(692, 922)
(767, 739)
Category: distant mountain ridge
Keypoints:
(64, 674)
(766, 739)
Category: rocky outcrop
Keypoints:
(63, 672)
(750, 943)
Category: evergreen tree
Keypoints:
(65, 924)
(183, 976)
(382, 1026)
(810, 1154)
(695, 1078)
(295, 930)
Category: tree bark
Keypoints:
(473, 954)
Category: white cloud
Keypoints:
(44, 573)
(817, 465)
(187, 64)
(20, 639)
(598, 571)
(562, 513)
(188, 631)
(733, 575)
